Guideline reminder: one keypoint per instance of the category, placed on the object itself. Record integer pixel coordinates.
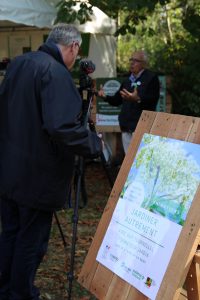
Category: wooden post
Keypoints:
(193, 279)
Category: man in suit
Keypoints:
(140, 91)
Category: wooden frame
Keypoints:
(103, 283)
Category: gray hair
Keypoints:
(146, 58)
(64, 34)
(143, 56)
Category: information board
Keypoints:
(150, 212)
(165, 226)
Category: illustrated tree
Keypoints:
(168, 171)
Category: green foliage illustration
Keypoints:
(170, 175)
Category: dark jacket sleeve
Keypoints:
(149, 91)
(61, 113)
(116, 99)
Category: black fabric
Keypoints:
(23, 244)
(148, 91)
(40, 130)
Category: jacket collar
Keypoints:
(53, 50)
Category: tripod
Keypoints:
(80, 185)
(87, 94)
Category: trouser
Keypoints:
(23, 243)
(126, 139)
(0, 216)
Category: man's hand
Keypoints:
(101, 92)
(132, 97)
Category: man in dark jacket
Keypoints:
(41, 131)
(140, 91)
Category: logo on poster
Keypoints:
(111, 87)
(106, 251)
(149, 282)
(114, 258)
(137, 275)
(125, 267)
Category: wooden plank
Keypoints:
(117, 288)
(197, 257)
(162, 124)
(182, 126)
(183, 295)
(136, 295)
(195, 132)
(105, 286)
(192, 282)
(99, 285)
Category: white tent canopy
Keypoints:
(42, 14)
(31, 13)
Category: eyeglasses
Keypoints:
(77, 44)
(135, 60)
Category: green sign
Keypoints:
(161, 106)
(107, 114)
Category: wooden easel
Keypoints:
(183, 268)
(192, 282)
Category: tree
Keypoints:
(168, 29)
(171, 36)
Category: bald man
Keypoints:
(140, 91)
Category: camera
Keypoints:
(86, 67)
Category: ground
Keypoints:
(52, 275)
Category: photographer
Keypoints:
(41, 131)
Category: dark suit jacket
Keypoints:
(148, 91)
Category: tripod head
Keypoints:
(86, 87)
(86, 67)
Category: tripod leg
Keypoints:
(83, 189)
(60, 230)
(105, 167)
(70, 274)
(84, 197)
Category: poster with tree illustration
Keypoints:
(151, 210)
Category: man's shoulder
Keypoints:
(148, 72)
(36, 57)
(148, 75)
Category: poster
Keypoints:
(150, 213)
(107, 115)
